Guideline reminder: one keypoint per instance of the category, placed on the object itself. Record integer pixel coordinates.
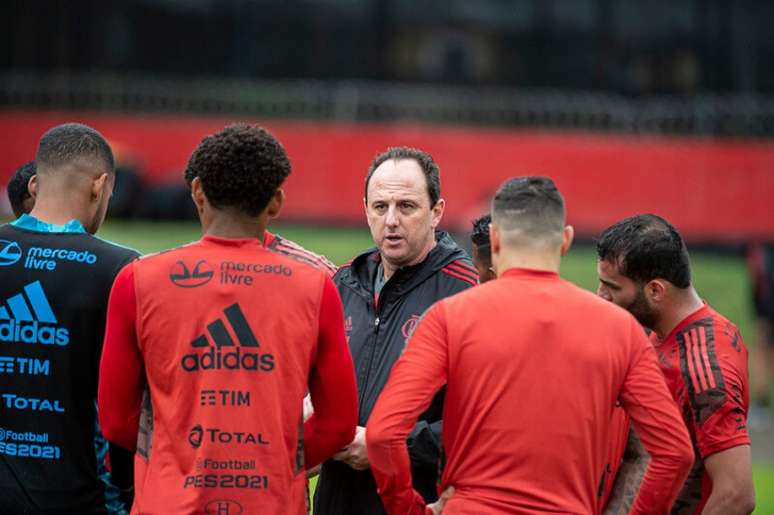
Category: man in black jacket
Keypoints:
(385, 291)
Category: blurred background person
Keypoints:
(761, 264)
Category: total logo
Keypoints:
(226, 354)
(28, 318)
(199, 434)
(10, 252)
(184, 277)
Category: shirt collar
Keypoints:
(31, 223)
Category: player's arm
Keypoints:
(121, 377)
(733, 492)
(414, 380)
(719, 418)
(645, 397)
(331, 385)
(629, 477)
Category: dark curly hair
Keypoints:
(241, 167)
(480, 234)
(646, 247)
(17, 187)
(425, 160)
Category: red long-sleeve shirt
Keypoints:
(225, 337)
(533, 367)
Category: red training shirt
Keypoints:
(533, 367)
(217, 342)
(704, 361)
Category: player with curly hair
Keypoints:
(210, 348)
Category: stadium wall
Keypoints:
(713, 190)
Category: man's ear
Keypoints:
(656, 290)
(98, 186)
(275, 203)
(437, 211)
(494, 240)
(197, 194)
(567, 237)
(32, 186)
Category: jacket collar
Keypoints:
(362, 271)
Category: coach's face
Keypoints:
(399, 213)
(622, 291)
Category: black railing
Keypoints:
(360, 101)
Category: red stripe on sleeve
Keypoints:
(463, 267)
(459, 276)
(705, 357)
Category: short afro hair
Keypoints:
(70, 142)
(240, 167)
(429, 168)
(480, 234)
(17, 187)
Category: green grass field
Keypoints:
(721, 280)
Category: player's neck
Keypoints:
(525, 259)
(235, 227)
(58, 210)
(684, 304)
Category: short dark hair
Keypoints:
(72, 141)
(241, 167)
(480, 234)
(425, 161)
(532, 205)
(646, 247)
(17, 187)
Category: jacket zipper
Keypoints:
(370, 363)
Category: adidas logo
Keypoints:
(226, 354)
(19, 323)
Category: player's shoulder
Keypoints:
(115, 250)
(295, 251)
(713, 329)
(459, 273)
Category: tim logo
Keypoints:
(226, 354)
(28, 318)
(409, 326)
(10, 252)
(223, 508)
(182, 276)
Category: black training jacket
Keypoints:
(54, 289)
(377, 336)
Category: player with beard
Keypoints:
(481, 249)
(643, 266)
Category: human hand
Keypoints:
(437, 507)
(356, 453)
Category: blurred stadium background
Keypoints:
(663, 106)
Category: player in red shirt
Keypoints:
(643, 266)
(211, 347)
(533, 367)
